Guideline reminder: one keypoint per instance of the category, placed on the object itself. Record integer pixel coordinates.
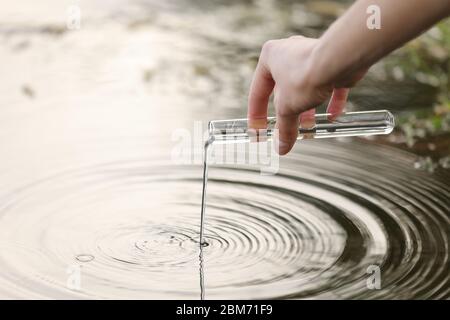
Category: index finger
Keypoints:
(258, 100)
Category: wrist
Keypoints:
(319, 69)
(329, 68)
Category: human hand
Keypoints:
(287, 67)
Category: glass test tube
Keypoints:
(348, 124)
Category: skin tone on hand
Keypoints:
(303, 73)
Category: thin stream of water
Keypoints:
(202, 242)
(208, 143)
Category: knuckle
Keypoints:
(282, 106)
(268, 46)
(286, 110)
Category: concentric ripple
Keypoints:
(130, 230)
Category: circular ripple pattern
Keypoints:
(317, 229)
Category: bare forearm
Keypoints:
(303, 73)
(349, 45)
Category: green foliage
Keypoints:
(426, 60)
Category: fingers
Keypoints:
(287, 126)
(308, 121)
(258, 100)
(337, 102)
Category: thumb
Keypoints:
(287, 127)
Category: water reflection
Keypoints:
(309, 232)
(202, 274)
(86, 124)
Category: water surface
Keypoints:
(88, 181)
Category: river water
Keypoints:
(93, 205)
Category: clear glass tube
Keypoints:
(348, 124)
